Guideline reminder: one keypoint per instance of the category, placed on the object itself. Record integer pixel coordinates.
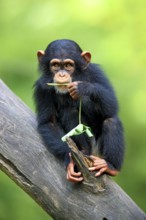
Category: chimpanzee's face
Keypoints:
(63, 58)
(62, 70)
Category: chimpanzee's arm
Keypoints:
(112, 142)
(99, 89)
(102, 96)
(51, 136)
(50, 131)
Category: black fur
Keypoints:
(58, 113)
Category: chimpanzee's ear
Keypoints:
(40, 54)
(87, 56)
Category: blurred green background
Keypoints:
(115, 33)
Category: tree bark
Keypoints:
(25, 159)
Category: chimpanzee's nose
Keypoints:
(62, 73)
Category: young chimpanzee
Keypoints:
(64, 62)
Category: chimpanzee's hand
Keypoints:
(72, 175)
(79, 88)
(101, 166)
(73, 90)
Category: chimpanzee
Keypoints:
(64, 63)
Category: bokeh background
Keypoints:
(115, 33)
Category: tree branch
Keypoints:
(26, 161)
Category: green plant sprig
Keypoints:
(57, 84)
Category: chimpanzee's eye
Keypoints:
(68, 66)
(55, 66)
